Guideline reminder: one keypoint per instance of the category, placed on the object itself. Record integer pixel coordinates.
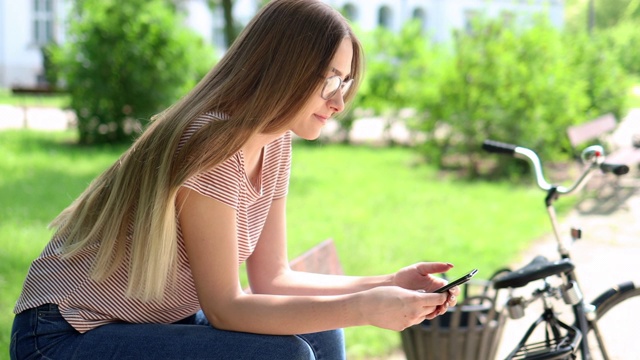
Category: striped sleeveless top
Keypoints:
(87, 304)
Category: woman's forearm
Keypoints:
(287, 314)
(390, 307)
(304, 283)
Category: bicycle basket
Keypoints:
(471, 330)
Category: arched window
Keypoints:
(385, 17)
(421, 15)
(350, 12)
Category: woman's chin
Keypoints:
(308, 135)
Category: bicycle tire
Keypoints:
(617, 313)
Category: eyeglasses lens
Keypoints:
(331, 86)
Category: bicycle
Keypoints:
(583, 333)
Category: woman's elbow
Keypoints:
(222, 320)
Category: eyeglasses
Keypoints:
(334, 83)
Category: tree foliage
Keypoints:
(230, 29)
(514, 86)
(597, 60)
(520, 85)
(126, 61)
(623, 43)
(401, 73)
(606, 13)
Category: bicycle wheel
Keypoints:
(615, 327)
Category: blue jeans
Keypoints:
(42, 333)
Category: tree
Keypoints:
(609, 13)
(230, 30)
(600, 14)
(400, 74)
(517, 86)
(125, 62)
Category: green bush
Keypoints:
(623, 40)
(521, 85)
(401, 72)
(595, 59)
(126, 61)
(517, 86)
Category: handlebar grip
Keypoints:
(493, 146)
(616, 169)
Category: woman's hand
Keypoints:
(418, 277)
(395, 308)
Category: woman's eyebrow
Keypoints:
(337, 72)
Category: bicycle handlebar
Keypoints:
(593, 156)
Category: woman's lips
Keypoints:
(321, 118)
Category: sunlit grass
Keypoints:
(633, 100)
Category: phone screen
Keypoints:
(463, 279)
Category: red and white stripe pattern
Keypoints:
(86, 304)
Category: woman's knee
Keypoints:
(296, 349)
(327, 344)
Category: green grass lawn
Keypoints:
(383, 211)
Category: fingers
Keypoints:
(437, 311)
(420, 305)
(426, 268)
(452, 300)
(432, 316)
(432, 299)
(455, 291)
(442, 303)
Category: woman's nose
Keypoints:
(337, 102)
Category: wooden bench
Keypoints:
(321, 259)
(599, 129)
(34, 90)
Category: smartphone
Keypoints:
(457, 282)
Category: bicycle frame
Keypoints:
(594, 158)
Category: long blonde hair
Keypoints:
(276, 64)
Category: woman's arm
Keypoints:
(269, 271)
(209, 232)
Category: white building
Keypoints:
(26, 25)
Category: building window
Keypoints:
(42, 21)
(217, 32)
(420, 15)
(470, 17)
(385, 17)
(508, 18)
(350, 12)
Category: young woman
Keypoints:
(144, 264)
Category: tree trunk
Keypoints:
(229, 28)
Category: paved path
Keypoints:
(44, 118)
(608, 254)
